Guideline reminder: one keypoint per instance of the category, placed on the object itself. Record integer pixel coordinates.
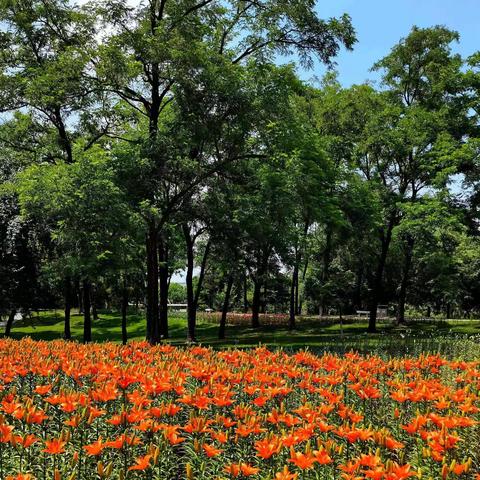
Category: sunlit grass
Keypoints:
(447, 337)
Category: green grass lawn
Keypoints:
(454, 336)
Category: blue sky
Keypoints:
(381, 23)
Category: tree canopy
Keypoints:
(176, 136)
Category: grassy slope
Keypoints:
(313, 333)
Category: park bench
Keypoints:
(179, 306)
(382, 312)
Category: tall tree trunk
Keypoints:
(293, 297)
(245, 293)
(302, 252)
(377, 289)
(124, 312)
(258, 282)
(191, 310)
(201, 276)
(67, 334)
(153, 327)
(226, 302)
(256, 303)
(93, 295)
(63, 137)
(448, 310)
(263, 298)
(357, 296)
(79, 294)
(297, 309)
(87, 320)
(193, 296)
(304, 274)
(157, 162)
(10, 319)
(327, 254)
(405, 278)
(164, 284)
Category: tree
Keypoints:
(430, 229)
(410, 143)
(152, 54)
(310, 179)
(88, 213)
(44, 55)
(222, 205)
(24, 245)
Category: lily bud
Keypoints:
(156, 454)
(108, 470)
(189, 471)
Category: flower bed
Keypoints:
(70, 411)
(282, 319)
(245, 319)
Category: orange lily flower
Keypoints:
(141, 463)
(54, 447)
(302, 460)
(95, 448)
(211, 451)
(285, 474)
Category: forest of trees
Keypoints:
(177, 136)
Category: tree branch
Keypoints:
(174, 201)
